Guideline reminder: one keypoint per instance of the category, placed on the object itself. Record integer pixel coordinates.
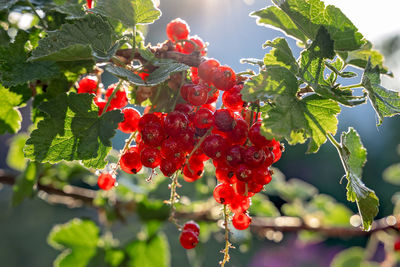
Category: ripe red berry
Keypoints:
(130, 161)
(131, 120)
(206, 70)
(224, 193)
(242, 189)
(256, 137)
(224, 78)
(168, 167)
(150, 157)
(241, 221)
(225, 174)
(262, 175)
(203, 118)
(232, 99)
(101, 104)
(213, 95)
(184, 91)
(192, 226)
(172, 149)
(239, 133)
(243, 173)
(106, 181)
(214, 146)
(89, 3)
(396, 245)
(234, 155)
(186, 137)
(194, 75)
(239, 204)
(197, 95)
(224, 120)
(177, 29)
(149, 119)
(153, 135)
(87, 85)
(254, 156)
(188, 239)
(193, 170)
(119, 100)
(189, 48)
(276, 150)
(175, 123)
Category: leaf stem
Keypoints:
(352, 86)
(339, 150)
(37, 14)
(227, 243)
(111, 97)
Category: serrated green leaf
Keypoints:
(385, 102)
(15, 156)
(275, 17)
(14, 68)
(10, 117)
(83, 39)
(392, 174)
(352, 257)
(354, 156)
(78, 241)
(73, 131)
(129, 12)
(125, 74)
(24, 184)
(280, 55)
(312, 14)
(359, 58)
(72, 10)
(156, 249)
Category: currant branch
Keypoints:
(228, 244)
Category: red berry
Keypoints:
(256, 137)
(224, 78)
(189, 48)
(172, 149)
(119, 100)
(244, 173)
(214, 146)
(232, 99)
(234, 155)
(224, 193)
(130, 161)
(149, 119)
(131, 120)
(206, 70)
(254, 156)
(397, 245)
(106, 181)
(225, 174)
(168, 167)
(213, 95)
(242, 189)
(262, 175)
(184, 91)
(193, 170)
(192, 226)
(241, 221)
(89, 3)
(194, 76)
(238, 135)
(153, 135)
(150, 157)
(203, 118)
(276, 150)
(224, 120)
(186, 137)
(175, 123)
(87, 85)
(101, 104)
(188, 239)
(177, 29)
(239, 204)
(254, 187)
(197, 95)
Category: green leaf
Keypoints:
(114, 257)
(354, 156)
(310, 15)
(77, 240)
(10, 117)
(392, 174)
(73, 131)
(262, 206)
(72, 10)
(24, 185)
(275, 17)
(129, 12)
(125, 74)
(352, 257)
(14, 68)
(385, 102)
(15, 156)
(83, 39)
(334, 214)
(151, 253)
(359, 58)
(280, 55)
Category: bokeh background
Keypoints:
(232, 34)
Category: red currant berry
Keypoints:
(130, 161)
(262, 175)
(254, 187)
(206, 70)
(131, 120)
(89, 3)
(242, 189)
(224, 78)
(256, 137)
(276, 150)
(239, 133)
(188, 239)
(101, 104)
(184, 91)
(153, 135)
(234, 155)
(232, 99)
(119, 100)
(239, 204)
(224, 193)
(172, 149)
(214, 146)
(396, 245)
(177, 29)
(106, 181)
(213, 95)
(186, 137)
(241, 221)
(224, 120)
(150, 157)
(203, 118)
(225, 174)
(197, 95)
(149, 119)
(194, 75)
(254, 156)
(175, 123)
(244, 173)
(87, 85)
(193, 170)
(189, 48)
(192, 226)
(168, 167)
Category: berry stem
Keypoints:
(44, 23)
(227, 243)
(111, 97)
(197, 146)
(172, 199)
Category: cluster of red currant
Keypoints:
(194, 132)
